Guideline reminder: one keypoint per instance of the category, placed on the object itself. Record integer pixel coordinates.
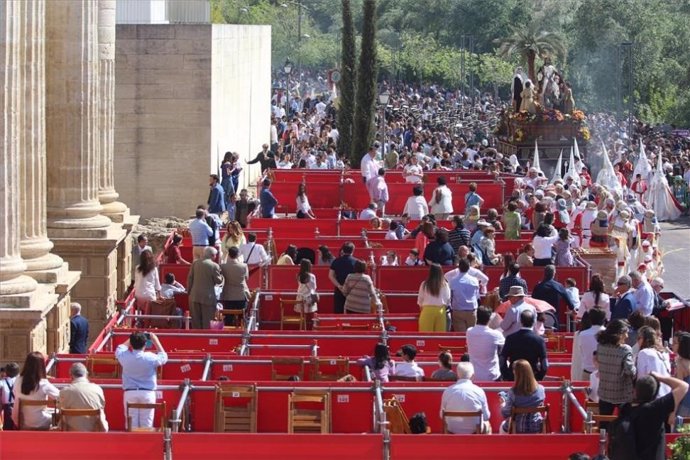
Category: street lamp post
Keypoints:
(287, 68)
(383, 101)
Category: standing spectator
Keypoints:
(201, 232)
(511, 321)
(573, 293)
(226, 167)
(359, 290)
(413, 172)
(434, 295)
(595, 297)
(235, 290)
(464, 298)
(253, 253)
(564, 256)
(340, 269)
(380, 364)
(652, 357)
(472, 198)
(303, 207)
(525, 393)
(7, 395)
(369, 168)
(139, 375)
(644, 294)
(441, 203)
(234, 236)
(445, 371)
(306, 293)
(243, 208)
(204, 276)
(616, 367)
(625, 303)
(439, 251)
(587, 342)
(459, 236)
(551, 291)
(465, 396)
(78, 330)
(513, 279)
(33, 385)
(141, 246)
(415, 206)
(409, 367)
(484, 345)
(173, 255)
(380, 189)
(543, 242)
(511, 222)
(216, 196)
(524, 344)
(267, 200)
(82, 394)
(147, 285)
(266, 158)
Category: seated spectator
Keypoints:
(171, 287)
(445, 368)
(513, 279)
(392, 231)
(325, 256)
(369, 212)
(483, 345)
(525, 393)
(173, 254)
(524, 344)
(459, 236)
(409, 367)
(465, 396)
(82, 394)
(359, 290)
(390, 259)
(7, 382)
(418, 424)
(439, 251)
(381, 364)
(288, 257)
(33, 385)
(526, 256)
(253, 253)
(413, 259)
(681, 347)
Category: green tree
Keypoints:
(346, 96)
(530, 43)
(363, 132)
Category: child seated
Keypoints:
(573, 292)
(390, 259)
(413, 259)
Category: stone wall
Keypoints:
(185, 94)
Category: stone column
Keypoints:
(106, 62)
(72, 120)
(12, 55)
(35, 245)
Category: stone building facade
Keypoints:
(64, 236)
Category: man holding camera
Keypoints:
(139, 378)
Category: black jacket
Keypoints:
(524, 344)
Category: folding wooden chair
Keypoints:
(236, 314)
(453, 349)
(398, 423)
(161, 406)
(479, 427)
(404, 378)
(309, 411)
(106, 367)
(164, 307)
(285, 368)
(235, 409)
(544, 410)
(291, 317)
(49, 404)
(93, 414)
(336, 368)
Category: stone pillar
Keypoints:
(35, 245)
(12, 54)
(72, 120)
(106, 65)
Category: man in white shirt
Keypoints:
(465, 396)
(254, 253)
(413, 172)
(171, 287)
(587, 341)
(644, 294)
(369, 212)
(369, 168)
(511, 320)
(483, 345)
(409, 368)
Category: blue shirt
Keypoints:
(139, 367)
(200, 232)
(268, 203)
(216, 202)
(464, 291)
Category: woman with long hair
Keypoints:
(595, 297)
(616, 367)
(303, 207)
(426, 233)
(289, 256)
(526, 392)
(226, 167)
(234, 236)
(543, 241)
(380, 364)
(147, 285)
(564, 257)
(33, 385)
(445, 370)
(306, 292)
(433, 297)
(508, 261)
(173, 255)
(652, 357)
(325, 256)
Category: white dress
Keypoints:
(304, 292)
(445, 205)
(587, 303)
(34, 417)
(652, 360)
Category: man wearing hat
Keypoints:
(511, 320)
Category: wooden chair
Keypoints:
(591, 406)
(398, 423)
(291, 317)
(336, 368)
(106, 367)
(544, 410)
(49, 404)
(554, 342)
(161, 406)
(329, 327)
(164, 307)
(235, 409)
(93, 414)
(355, 327)
(285, 368)
(453, 349)
(478, 414)
(309, 411)
(237, 314)
(404, 378)
(599, 419)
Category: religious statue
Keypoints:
(527, 95)
(516, 88)
(568, 100)
(548, 91)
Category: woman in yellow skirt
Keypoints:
(434, 295)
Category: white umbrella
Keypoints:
(557, 171)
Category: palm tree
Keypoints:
(530, 43)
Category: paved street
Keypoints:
(675, 243)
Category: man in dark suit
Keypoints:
(235, 290)
(551, 291)
(524, 344)
(624, 303)
(78, 330)
(203, 278)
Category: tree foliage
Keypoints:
(347, 82)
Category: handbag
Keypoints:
(313, 298)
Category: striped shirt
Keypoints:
(358, 290)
